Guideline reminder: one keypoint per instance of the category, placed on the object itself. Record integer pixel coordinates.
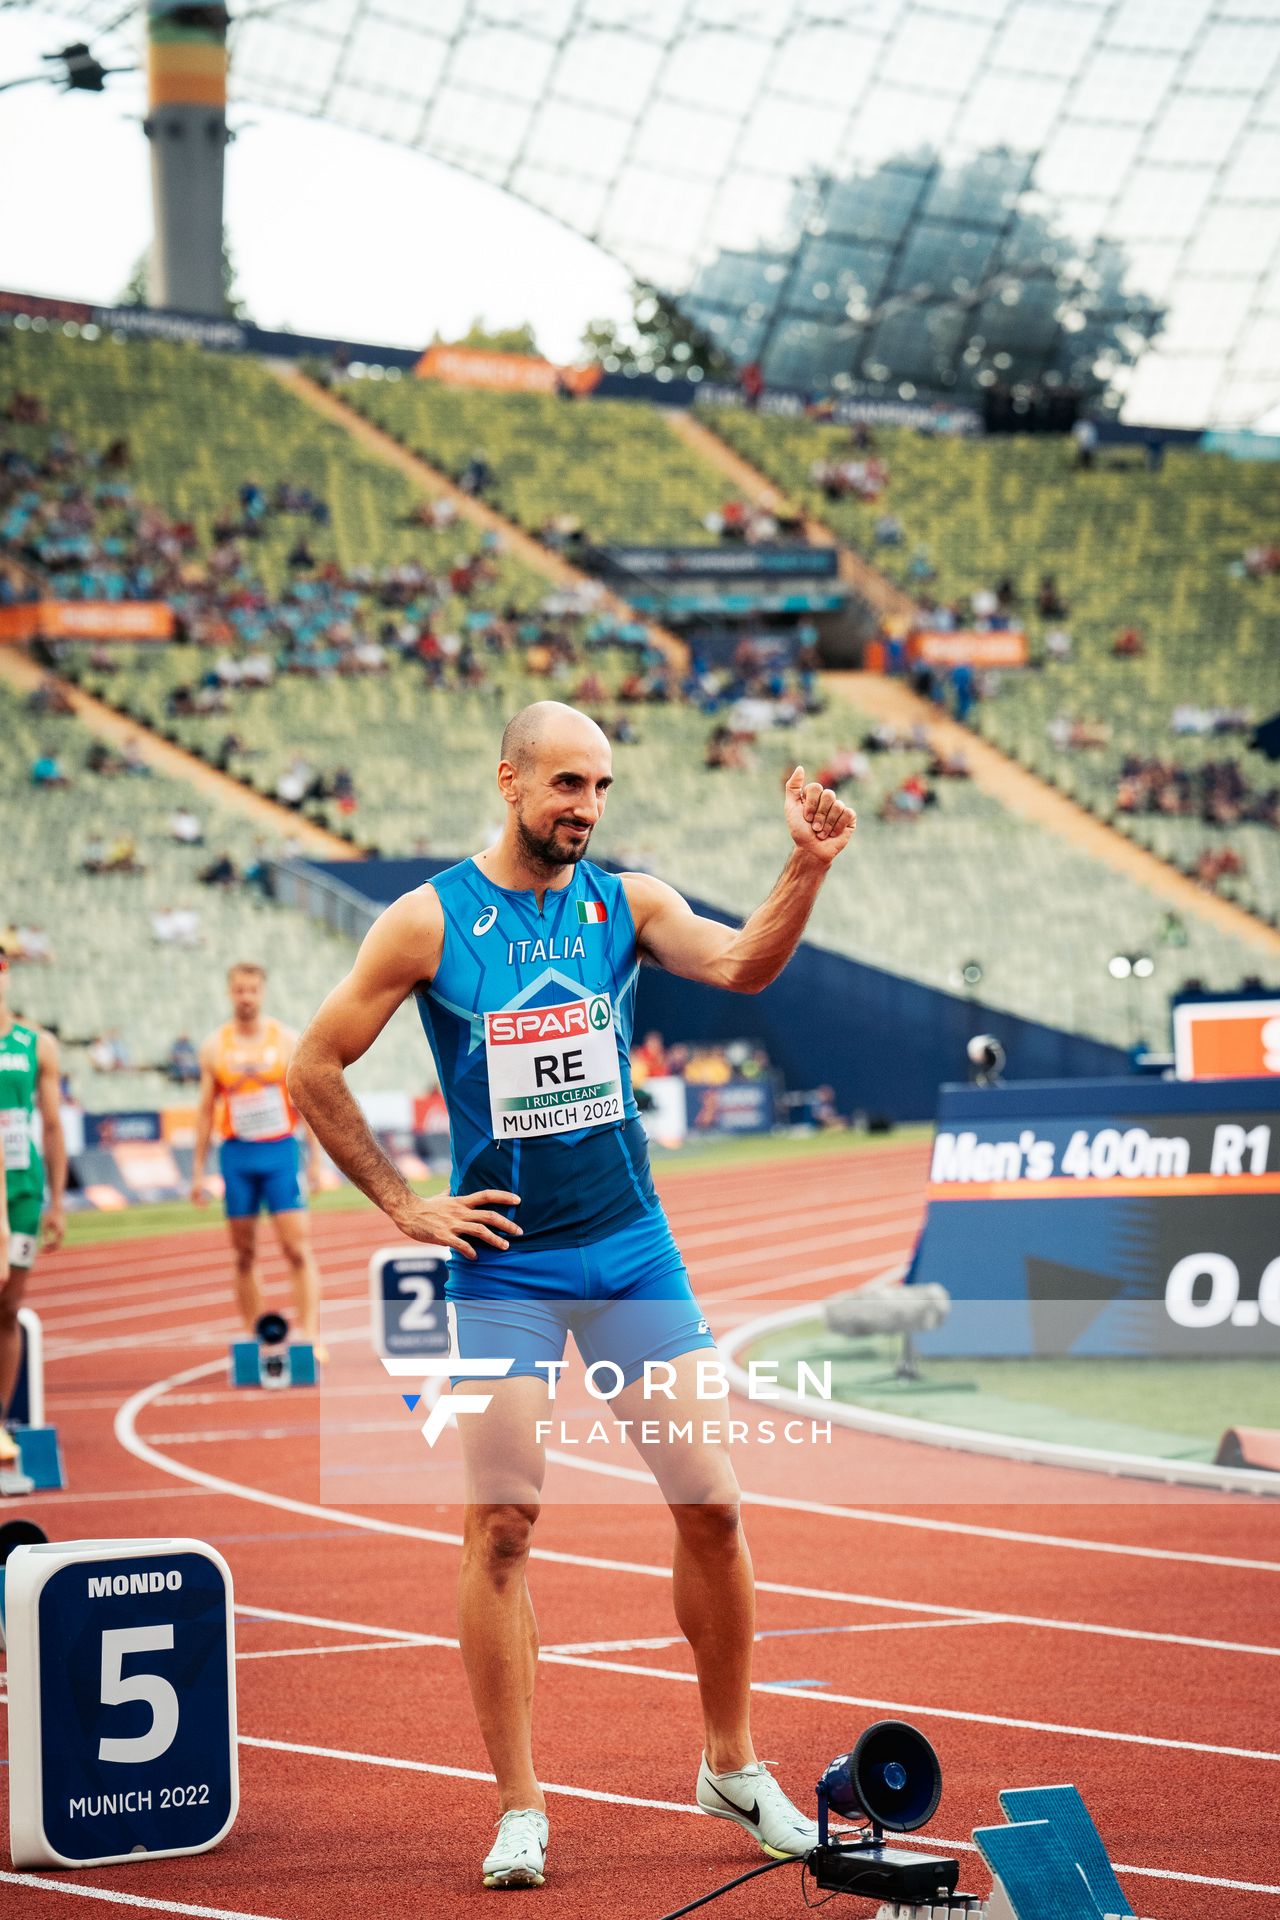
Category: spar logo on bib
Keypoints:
(552, 1069)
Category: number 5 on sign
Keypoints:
(122, 1702)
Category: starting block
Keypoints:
(15, 1533)
(122, 1701)
(1050, 1862)
(37, 1443)
(272, 1360)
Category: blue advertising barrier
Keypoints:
(122, 1701)
(1106, 1217)
(736, 1106)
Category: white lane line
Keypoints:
(127, 1434)
(361, 1627)
(682, 1806)
(114, 1899)
(1104, 1734)
(878, 1516)
(345, 1646)
(65, 1499)
(312, 1431)
(774, 1633)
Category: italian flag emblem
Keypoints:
(591, 913)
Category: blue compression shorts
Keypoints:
(258, 1174)
(625, 1299)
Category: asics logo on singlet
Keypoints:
(483, 921)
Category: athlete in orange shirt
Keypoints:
(243, 1095)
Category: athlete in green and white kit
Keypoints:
(28, 1079)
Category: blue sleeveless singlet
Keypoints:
(529, 1017)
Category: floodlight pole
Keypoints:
(186, 124)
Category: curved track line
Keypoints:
(127, 1434)
(876, 1517)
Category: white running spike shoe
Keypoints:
(753, 1798)
(519, 1853)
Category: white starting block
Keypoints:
(40, 1468)
(273, 1360)
(122, 1701)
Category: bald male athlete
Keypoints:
(523, 961)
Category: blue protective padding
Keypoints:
(302, 1366)
(1066, 1812)
(40, 1458)
(245, 1364)
(1041, 1879)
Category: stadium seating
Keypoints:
(199, 425)
(1157, 551)
(612, 466)
(965, 881)
(108, 972)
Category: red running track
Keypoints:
(1039, 1625)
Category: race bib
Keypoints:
(260, 1115)
(552, 1069)
(15, 1131)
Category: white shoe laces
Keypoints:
(524, 1833)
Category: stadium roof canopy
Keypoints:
(883, 193)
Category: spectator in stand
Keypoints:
(1050, 604)
(477, 477)
(50, 697)
(108, 1053)
(650, 1057)
(47, 772)
(33, 945)
(131, 758)
(220, 872)
(291, 787)
(185, 828)
(122, 856)
(1057, 644)
(183, 1064)
(889, 531)
(1128, 644)
(94, 858)
(846, 766)
(1085, 435)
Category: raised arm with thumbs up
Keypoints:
(820, 822)
(747, 958)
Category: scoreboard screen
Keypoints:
(1106, 1217)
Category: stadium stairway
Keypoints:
(996, 773)
(384, 446)
(887, 600)
(24, 676)
(1027, 795)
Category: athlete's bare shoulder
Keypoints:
(405, 942)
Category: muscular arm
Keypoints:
(49, 1098)
(749, 957)
(401, 949)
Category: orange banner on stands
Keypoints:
(1005, 649)
(87, 620)
(523, 372)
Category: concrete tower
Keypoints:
(187, 126)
